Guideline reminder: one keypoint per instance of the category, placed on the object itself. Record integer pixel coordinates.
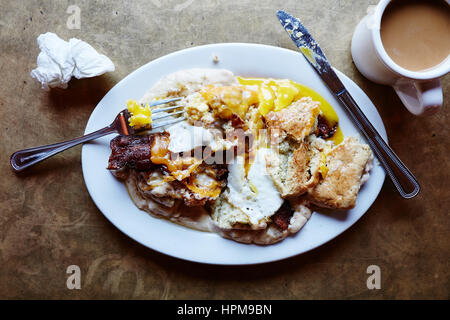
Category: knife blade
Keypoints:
(405, 182)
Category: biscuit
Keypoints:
(296, 121)
(226, 216)
(346, 163)
(271, 234)
(294, 169)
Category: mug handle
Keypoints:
(420, 97)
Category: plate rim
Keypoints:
(217, 46)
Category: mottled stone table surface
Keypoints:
(48, 220)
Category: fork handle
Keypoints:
(23, 159)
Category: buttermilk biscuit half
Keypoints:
(345, 165)
(282, 224)
(226, 216)
(294, 168)
(293, 163)
(296, 121)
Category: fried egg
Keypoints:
(255, 195)
(185, 137)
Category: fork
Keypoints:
(23, 159)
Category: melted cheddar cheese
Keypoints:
(181, 167)
(204, 184)
(185, 169)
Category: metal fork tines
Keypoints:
(168, 123)
(23, 159)
(164, 101)
(156, 123)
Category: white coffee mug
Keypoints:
(420, 91)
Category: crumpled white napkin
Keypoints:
(59, 60)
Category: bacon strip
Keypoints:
(132, 152)
(283, 216)
(324, 129)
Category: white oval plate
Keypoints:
(111, 197)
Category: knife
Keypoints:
(405, 182)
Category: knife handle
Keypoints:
(405, 182)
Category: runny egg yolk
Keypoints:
(141, 116)
(275, 95)
(323, 165)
